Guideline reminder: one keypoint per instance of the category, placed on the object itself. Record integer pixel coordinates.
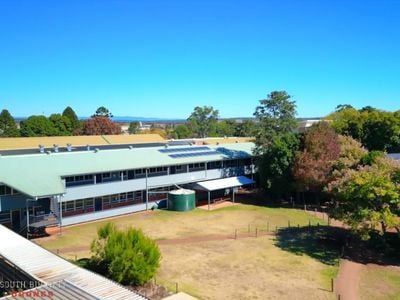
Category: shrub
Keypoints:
(128, 257)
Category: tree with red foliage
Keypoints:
(313, 166)
(99, 125)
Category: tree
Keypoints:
(102, 112)
(203, 120)
(128, 257)
(99, 126)
(37, 126)
(73, 118)
(226, 128)
(313, 166)
(134, 127)
(247, 128)
(350, 156)
(182, 131)
(368, 197)
(348, 121)
(8, 127)
(341, 107)
(61, 125)
(276, 141)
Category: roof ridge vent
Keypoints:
(48, 152)
(88, 147)
(96, 150)
(55, 148)
(41, 148)
(69, 147)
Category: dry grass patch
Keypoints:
(380, 283)
(246, 268)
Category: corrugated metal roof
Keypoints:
(40, 175)
(219, 184)
(48, 141)
(51, 269)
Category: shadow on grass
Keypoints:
(327, 244)
(322, 243)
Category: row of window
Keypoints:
(89, 203)
(5, 190)
(140, 173)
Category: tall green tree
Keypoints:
(134, 127)
(128, 257)
(276, 142)
(37, 126)
(61, 125)
(8, 127)
(73, 118)
(203, 120)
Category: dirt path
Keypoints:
(348, 280)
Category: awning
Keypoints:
(219, 184)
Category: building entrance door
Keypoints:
(98, 204)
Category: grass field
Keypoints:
(380, 283)
(222, 268)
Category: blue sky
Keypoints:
(162, 58)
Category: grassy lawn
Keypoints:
(246, 268)
(380, 283)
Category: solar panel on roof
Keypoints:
(186, 149)
(191, 154)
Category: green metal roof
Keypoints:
(39, 175)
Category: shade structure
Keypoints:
(219, 184)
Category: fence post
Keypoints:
(288, 224)
(338, 296)
(298, 227)
(58, 251)
(332, 285)
(267, 226)
(235, 234)
(248, 231)
(276, 228)
(256, 232)
(176, 288)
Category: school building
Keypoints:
(74, 184)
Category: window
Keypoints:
(106, 175)
(122, 197)
(131, 174)
(69, 206)
(178, 168)
(78, 204)
(130, 195)
(139, 171)
(138, 195)
(5, 190)
(88, 177)
(152, 170)
(114, 198)
(89, 203)
(106, 200)
(160, 169)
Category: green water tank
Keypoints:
(181, 200)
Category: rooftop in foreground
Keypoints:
(57, 274)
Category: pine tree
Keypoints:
(8, 127)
